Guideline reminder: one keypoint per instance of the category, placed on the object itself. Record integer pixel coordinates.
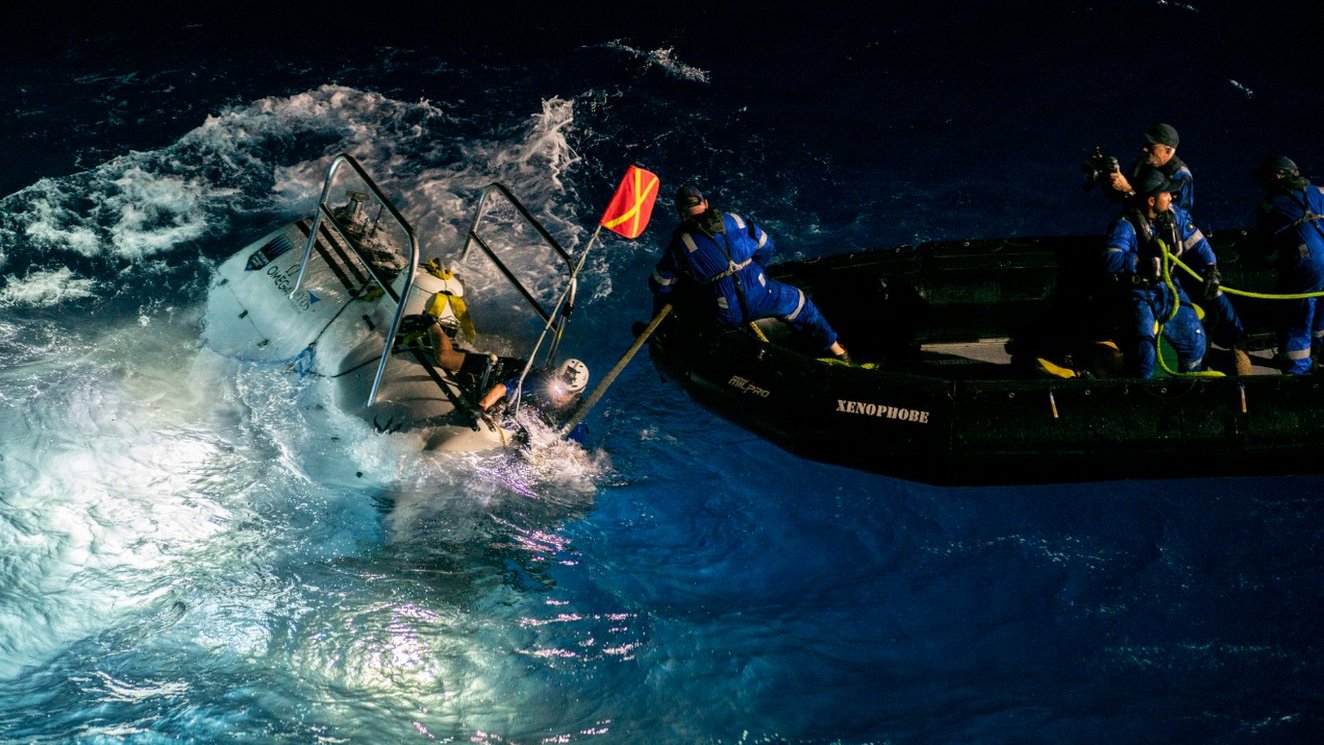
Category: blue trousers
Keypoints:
(1152, 305)
(1225, 327)
(769, 298)
(1302, 322)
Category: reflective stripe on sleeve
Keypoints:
(1195, 238)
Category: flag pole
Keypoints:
(570, 288)
(633, 200)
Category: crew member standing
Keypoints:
(719, 257)
(1291, 225)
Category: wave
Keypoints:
(47, 289)
(664, 59)
(138, 467)
(148, 213)
(141, 474)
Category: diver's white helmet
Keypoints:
(573, 374)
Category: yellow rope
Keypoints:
(1247, 293)
(1168, 261)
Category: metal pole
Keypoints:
(598, 392)
(533, 355)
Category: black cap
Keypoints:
(1278, 165)
(1151, 181)
(687, 196)
(1162, 134)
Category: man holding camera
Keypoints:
(1160, 153)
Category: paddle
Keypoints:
(607, 380)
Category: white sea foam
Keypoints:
(132, 458)
(48, 222)
(144, 204)
(544, 150)
(155, 213)
(141, 466)
(1182, 6)
(268, 157)
(665, 59)
(45, 289)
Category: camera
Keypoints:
(1099, 168)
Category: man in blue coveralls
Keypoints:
(1291, 224)
(720, 256)
(1132, 258)
(1160, 153)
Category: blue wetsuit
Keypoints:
(1291, 222)
(723, 263)
(1131, 256)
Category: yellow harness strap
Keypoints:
(436, 305)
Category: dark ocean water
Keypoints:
(193, 549)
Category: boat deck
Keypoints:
(989, 354)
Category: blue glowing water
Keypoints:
(198, 550)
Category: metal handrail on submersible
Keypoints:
(473, 237)
(323, 208)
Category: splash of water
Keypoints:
(665, 59)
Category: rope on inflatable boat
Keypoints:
(1168, 260)
(1243, 293)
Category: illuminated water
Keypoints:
(197, 550)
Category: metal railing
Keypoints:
(323, 209)
(554, 316)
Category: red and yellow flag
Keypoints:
(632, 205)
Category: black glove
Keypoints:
(1212, 281)
(416, 323)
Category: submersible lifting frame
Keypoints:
(327, 295)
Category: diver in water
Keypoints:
(554, 394)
